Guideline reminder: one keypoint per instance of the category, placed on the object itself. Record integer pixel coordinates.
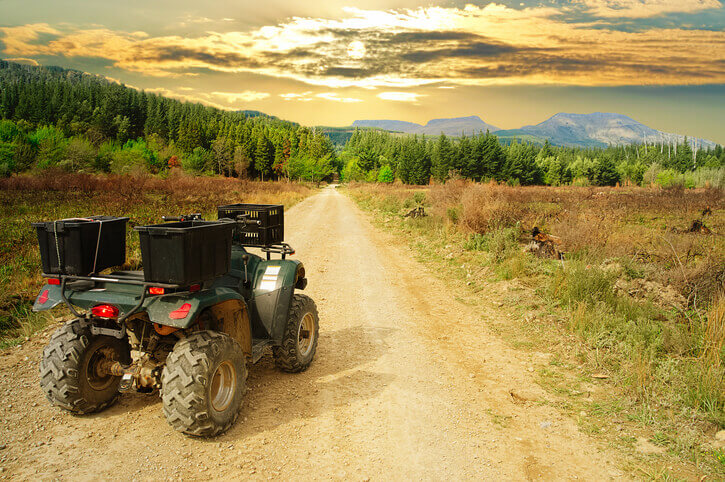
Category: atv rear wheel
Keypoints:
(71, 373)
(203, 384)
(299, 342)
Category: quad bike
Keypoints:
(190, 342)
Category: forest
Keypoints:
(382, 157)
(78, 122)
(57, 118)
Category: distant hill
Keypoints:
(597, 130)
(451, 127)
(579, 130)
(340, 135)
(256, 113)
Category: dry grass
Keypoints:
(713, 346)
(144, 199)
(639, 291)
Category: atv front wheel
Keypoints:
(299, 342)
(71, 373)
(203, 384)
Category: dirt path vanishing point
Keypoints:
(407, 384)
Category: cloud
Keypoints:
(309, 96)
(646, 8)
(402, 49)
(22, 60)
(246, 96)
(21, 40)
(400, 96)
(334, 97)
(303, 97)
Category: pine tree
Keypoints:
(263, 156)
(442, 159)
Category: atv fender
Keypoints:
(169, 309)
(49, 297)
(275, 282)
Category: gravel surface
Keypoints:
(408, 383)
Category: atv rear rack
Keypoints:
(104, 279)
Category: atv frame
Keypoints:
(191, 343)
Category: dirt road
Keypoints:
(408, 383)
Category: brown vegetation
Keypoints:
(640, 289)
(144, 199)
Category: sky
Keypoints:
(513, 63)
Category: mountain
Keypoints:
(451, 127)
(389, 125)
(597, 130)
(579, 130)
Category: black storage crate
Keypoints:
(186, 252)
(82, 246)
(271, 217)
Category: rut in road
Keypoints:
(407, 384)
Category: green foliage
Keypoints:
(51, 117)
(65, 118)
(198, 161)
(51, 144)
(80, 155)
(310, 169)
(385, 175)
(605, 172)
(415, 159)
(8, 131)
(501, 243)
(352, 172)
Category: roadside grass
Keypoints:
(144, 199)
(634, 314)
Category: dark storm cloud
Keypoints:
(177, 53)
(474, 51)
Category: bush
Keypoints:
(501, 243)
(51, 144)
(385, 175)
(352, 172)
(485, 207)
(198, 161)
(8, 131)
(391, 205)
(80, 155)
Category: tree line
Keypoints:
(54, 117)
(373, 155)
(58, 118)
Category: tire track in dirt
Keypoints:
(407, 384)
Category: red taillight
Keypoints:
(155, 290)
(43, 297)
(105, 311)
(53, 281)
(194, 288)
(181, 313)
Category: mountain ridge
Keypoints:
(597, 129)
(453, 126)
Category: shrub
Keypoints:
(391, 205)
(485, 207)
(198, 161)
(385, 175)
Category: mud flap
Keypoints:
(271, 310)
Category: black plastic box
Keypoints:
(186, 252)
(269, 231)
(82, 246)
